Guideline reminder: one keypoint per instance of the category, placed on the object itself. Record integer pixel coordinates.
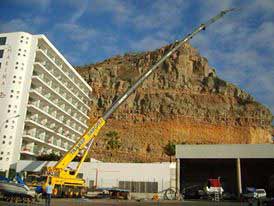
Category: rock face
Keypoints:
(183, 101)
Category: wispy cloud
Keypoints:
(241, 48)
(16, 25)
(76, 32)
(161, 14)
(78, 9)
(38, 4)
(147, 43)
(120, 10)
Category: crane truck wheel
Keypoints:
(15, 199)
(55, 192)
(58, 191)
(70, 194)
(81, 192)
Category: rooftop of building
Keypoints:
(225, 151)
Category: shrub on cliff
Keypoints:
(169, 149)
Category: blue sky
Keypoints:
(240, 46)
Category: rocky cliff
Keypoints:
(183, 101)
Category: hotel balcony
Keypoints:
(53, 117)
(44, 138)
(39, 100)
(45, 56)
(55, 80)
(37, 148)
(53, 97)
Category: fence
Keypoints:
(139, 187)
(145, 186)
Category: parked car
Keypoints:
(260, 193)
(193, 192)
(253, 193)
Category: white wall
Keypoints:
(15, 78)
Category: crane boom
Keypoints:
(86, 140)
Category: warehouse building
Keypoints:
(238, 166)
(44, 101)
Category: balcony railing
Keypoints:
(47, 142)
(59, 113)
(65, 74)
(53, 119)
(32, 132)
(58, 95)
(61, 92)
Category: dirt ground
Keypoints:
(89, 202)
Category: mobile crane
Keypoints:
(65, 180)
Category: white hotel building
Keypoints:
(44, 101)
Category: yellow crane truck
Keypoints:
(65, 180)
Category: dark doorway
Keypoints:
(258, 173)
(197, 171)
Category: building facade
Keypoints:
(44, 101)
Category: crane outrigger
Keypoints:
(65, 180)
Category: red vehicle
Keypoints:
(214, 189)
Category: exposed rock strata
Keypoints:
(183, 101)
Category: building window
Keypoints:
(3, 40)
(1, 53)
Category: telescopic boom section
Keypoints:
(94, 130)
